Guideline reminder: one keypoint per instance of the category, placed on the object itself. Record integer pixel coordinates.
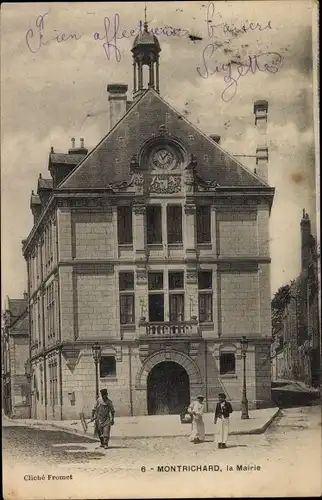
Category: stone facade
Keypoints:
(87, 309)
(156, 291)
(296, 350)
(15, 353)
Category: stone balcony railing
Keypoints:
(168, 329)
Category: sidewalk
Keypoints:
(156, 426)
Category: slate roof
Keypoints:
(109, 161)
(45, 183)
(17, 306)
(66, 158)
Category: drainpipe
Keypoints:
(130, 380)
(206, 376)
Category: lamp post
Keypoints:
(28, 377)
(96, 349)
(244, 402)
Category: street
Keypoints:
(271, 462)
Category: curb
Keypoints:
(257, 430)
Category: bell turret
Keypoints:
(145, 50)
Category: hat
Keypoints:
(103, 392)
(222, 395)
(200, 396)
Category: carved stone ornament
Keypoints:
(134, 164)
(141, 276)
(191, 276)
(139, 209)
(138, 182)
(165, 184)
(194, 349)
(190, 209)
(163, 130)
(205, 185)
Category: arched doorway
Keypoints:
(168, 388)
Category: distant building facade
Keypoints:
(15, 353)
(155, 244)
(296, 350)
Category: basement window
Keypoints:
(107, 366)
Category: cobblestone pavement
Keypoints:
(290, 448)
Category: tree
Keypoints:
(279, 302)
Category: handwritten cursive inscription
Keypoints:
(229, 28)
(35, 37)
(269, 62)
(112, 34)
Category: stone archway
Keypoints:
(182, 359)
(168, 389)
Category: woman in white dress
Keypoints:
(198, 427)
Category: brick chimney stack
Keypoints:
(117, 99)
(260, 112)
(305, 240)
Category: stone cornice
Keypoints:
(69, 345)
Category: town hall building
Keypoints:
(153, 247)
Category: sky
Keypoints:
(56, 90)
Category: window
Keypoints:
(205, 296)
(53, 383)
(156, 297)
(126, 287)
(50, 310)
(174, 223)
(124, 225)
(154, 224)
(203, 219)
(176, 280)
(107, 366)
(155, 281)
(227, 363)
(176, 296)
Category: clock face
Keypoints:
(163, 158)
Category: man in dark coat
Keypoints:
(222, 414)
(103, 415)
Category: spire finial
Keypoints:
(145, 18)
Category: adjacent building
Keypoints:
(15, 353)
(296, 350)
(155, 244)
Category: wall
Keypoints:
(93, 235)
(237, 233)
(262, 374)
(239, 304)
(96, 305)
(81, 381)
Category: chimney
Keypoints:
(305, 240)
(117, 99)
(260, 112)
(216, 138)
(81, 150)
